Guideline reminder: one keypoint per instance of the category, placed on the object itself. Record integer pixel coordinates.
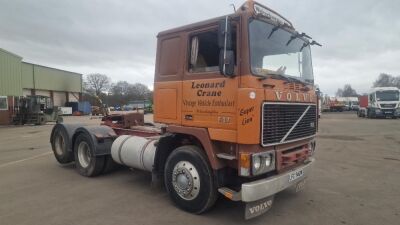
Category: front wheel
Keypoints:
(189, 181)
(87, 164)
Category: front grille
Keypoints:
(291, 157)
(388, 105)
(280, 118)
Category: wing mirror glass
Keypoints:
(227, 62)
(226, 54)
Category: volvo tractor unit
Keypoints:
(235, 112)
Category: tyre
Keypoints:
(189, 179)
(87, 164)
(60, 148)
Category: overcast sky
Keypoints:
(361, 38)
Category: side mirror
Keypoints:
(225, 34)
(227, 62)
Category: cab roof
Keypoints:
(249, 7)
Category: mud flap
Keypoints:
(257, 208)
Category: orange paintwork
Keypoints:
(167, 102)
(211, 103)
(230, 110)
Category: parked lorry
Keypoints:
(381, 102)
(332, 104)
(233, 116)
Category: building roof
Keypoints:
(10, 53)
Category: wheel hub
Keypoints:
(186, 180)
(84, 154)
(59, 144)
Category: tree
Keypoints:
(122, 92)
(139, 91)
(97, 83)
(347, 91)
(339, 92)
(387, 80)
(121, 88)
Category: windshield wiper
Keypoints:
(276, 28)
(297, 35)
(305, 44)
(315, 43)
(273, 30)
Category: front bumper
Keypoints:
(263, 188)
(386, 112)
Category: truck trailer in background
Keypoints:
(381, 102)
(350, 103)
(332, 104)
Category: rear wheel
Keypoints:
(87, 164)
(189, 180)
(60, 149)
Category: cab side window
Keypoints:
(204, 51)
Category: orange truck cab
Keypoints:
(237, 115)
(242, 86)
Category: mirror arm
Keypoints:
(226, 39)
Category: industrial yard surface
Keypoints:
(356, 180)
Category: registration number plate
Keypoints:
(296, 175)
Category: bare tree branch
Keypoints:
(98, 83)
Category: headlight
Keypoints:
(311, 147)
(263, 162)
(267, 161)
(257, 162)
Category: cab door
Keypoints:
(209, 99)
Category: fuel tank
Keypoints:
(134, 151)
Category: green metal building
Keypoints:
(18, 78)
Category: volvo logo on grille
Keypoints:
(297, 97)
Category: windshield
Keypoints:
(272, 55)
(387, 95)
